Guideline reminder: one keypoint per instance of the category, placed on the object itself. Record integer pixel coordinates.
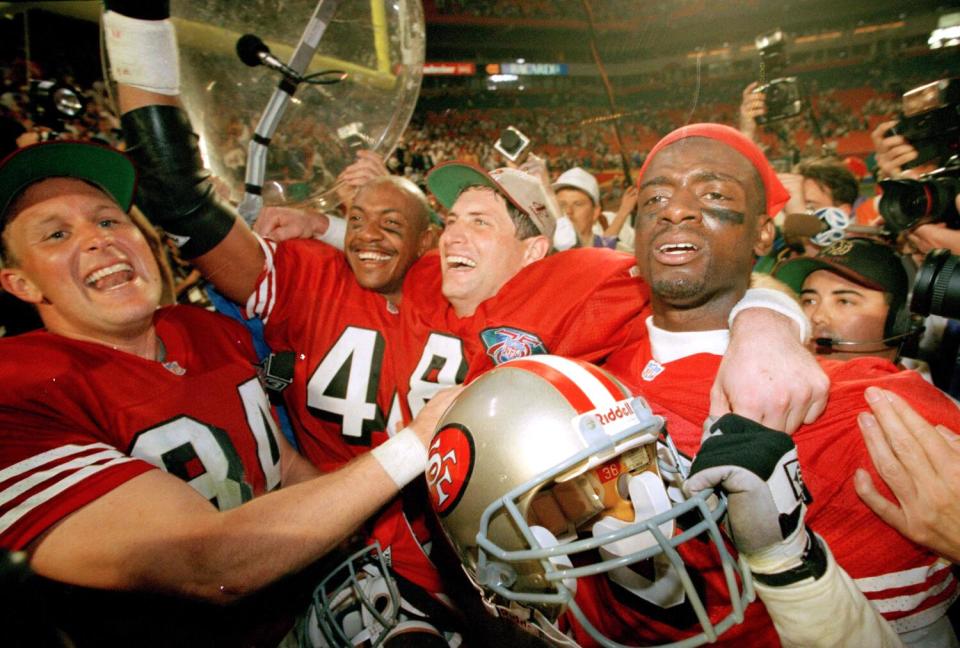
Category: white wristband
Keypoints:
(776, 301)
(336, 231)
(142, 53)
(403, 457)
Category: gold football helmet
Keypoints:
(545, 459)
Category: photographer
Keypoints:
(892, 152)
(913, 148)
(753, 105)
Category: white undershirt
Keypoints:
(667, 346)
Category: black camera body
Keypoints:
(783, 95)
(907, 204)
(784, 99)
(930, 121)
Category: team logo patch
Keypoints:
(505, 343)
(449, 466)
(652, 370)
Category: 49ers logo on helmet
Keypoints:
(449, 465)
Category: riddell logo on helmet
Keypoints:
(613, 414)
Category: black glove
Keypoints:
(142, 9)
(759, 471)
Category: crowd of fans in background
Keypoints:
(564, 135)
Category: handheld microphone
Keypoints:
(253, 51)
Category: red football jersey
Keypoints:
(79, 419)
(576, 304)
(904, 581)
(311, 304)
(343, 389)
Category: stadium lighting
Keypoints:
(947, 33)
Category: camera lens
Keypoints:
(510, 141)
(908, 203)
(937, 287)
(903, 204)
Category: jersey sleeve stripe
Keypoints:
(905, 578)
(38, 477)
(262, 300)
(907, 602)
(56, 454)
(12, 516)
(924, 617)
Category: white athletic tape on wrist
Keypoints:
(781, 556)
(403, 457)
(143, 53)
(776, 301)
(336, 231)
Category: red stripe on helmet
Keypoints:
(563, 383)
(616, 391)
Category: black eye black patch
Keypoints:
(727, 215)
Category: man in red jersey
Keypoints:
(706, 193)
(139, 453)
(506, 298)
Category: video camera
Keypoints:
(783, 95)
(353, 137)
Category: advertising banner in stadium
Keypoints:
(449, 69)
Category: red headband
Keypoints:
(777, 195)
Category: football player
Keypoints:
(506, 298)
(139, 452)
(336, 311)
(706, 196)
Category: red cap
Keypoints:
(857, 167)
(777, 194)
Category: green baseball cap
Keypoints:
(866, 262)
(103, 166)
